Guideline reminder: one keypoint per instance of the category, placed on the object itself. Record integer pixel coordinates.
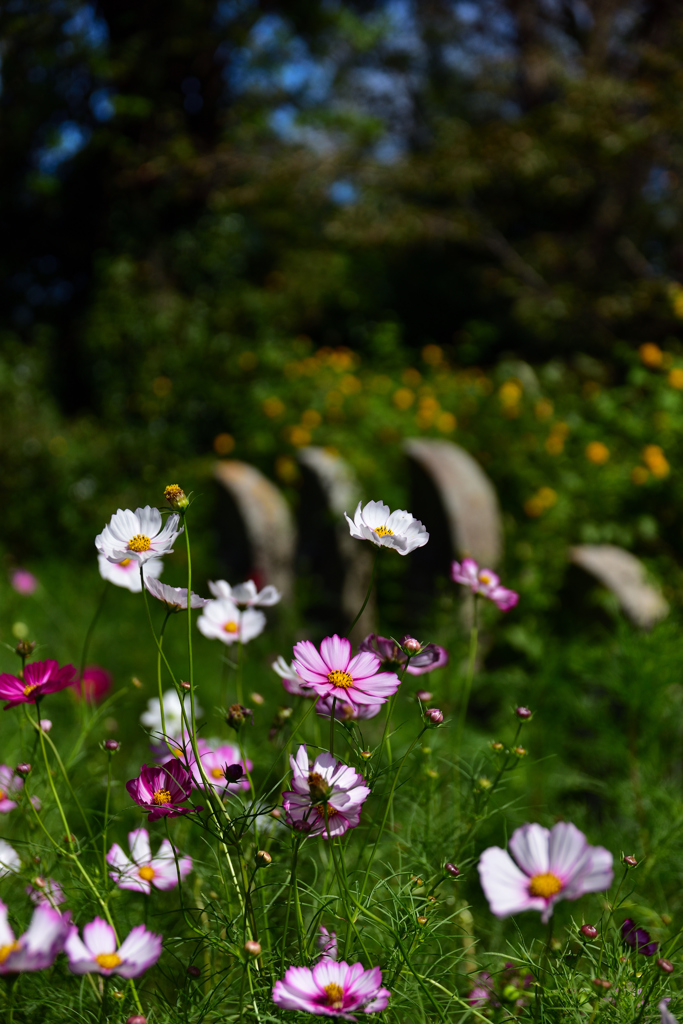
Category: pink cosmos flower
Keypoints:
(214, 763)
(666, 1016)
(160, 790)
(142, 870)
(548, 866)
(45, 892)
(345, 712)
(38, 947)
(291, 680)
(332, 672)
(332, 989)
(484, 582)
(24, 582)
(97, 683)
(97, 952)
(430, 657)
(325, 780)
(40, 678)
(327, 944)
(10, 784)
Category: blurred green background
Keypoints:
(236, 229)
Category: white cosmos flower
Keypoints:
(151, 718)
(175, 598)
(127, 573)
(139, 535)
(245, 594)
(398, 530)
(10, 860)
(223, 620)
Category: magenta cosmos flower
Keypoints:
(548, 866)
(332, 672)
(10, 786)
(142, 871)
(431, 656)
(45, 892)
(97, 683)
(160, 790)
(483, 582)
(345, 712)
(24, 582)
(97, 952)
(326, 780)
(40, 678)
(332, 989)
(37, 948)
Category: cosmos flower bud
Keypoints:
(630, 861)
(45, 724)
(524, 714)
(194, 971)
(263, 859)
(589, 931)
(276, 812)
(433, 717)
(136, 1019)
(176, 497)
(497, 746)
(185, 685)
(602, 983)
(257, 698)
(451, 869)
(23, 769)
(366, 754)
(25, 648)
(519, 751)
(252, 948)
(237, 716)
(665, 965)
(424, 695)
(111, 746)
(422, 920)
(410, 645)
(233, 772)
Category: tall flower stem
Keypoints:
(471, 661)
(332, 720)
(367, 596)
(292, 878)
(105, 823)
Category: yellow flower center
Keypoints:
(6, 950)
(218, 773)
(335, 996)
(139, 543)
(29, 689)
(383, 531)
(161, 796)
(545, 885)
(108, 960)
(231, 627)
(484, 577)
(340, 679)
(3, 794)
(173, 492)
(331, 811)
(124, 563)
(147, 873)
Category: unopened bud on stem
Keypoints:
(176, 497)
(630, 861)
(666, 966)
(433, 717)
(23, 769)
(263, 859)
(451, 869)
(111, 746)
(252, 948)
(589, 931)
(410, 645)
(523, 714)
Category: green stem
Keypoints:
(609, 919)
(367, 596)
(106, 821)
(419, 980)
(292, 876)
(464, 702)
(334, 708)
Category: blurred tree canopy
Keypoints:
(198, 194)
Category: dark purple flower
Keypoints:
(160, 790)
(638, 938)
(430, 657)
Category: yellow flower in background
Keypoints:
(432, 355)
(446, 422)
(286, 469)
(273, 407)
(676, 298)
(597, 452)
(640, 475)
(311, 419)
(651, 355)
(676, 378)
(554, 442)
(411, 377)
(223, 444)
(543, 409)
(299, 437)
(656, 461)
(510, 394)
(404, 398)
(350, 385)
(540, 502)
